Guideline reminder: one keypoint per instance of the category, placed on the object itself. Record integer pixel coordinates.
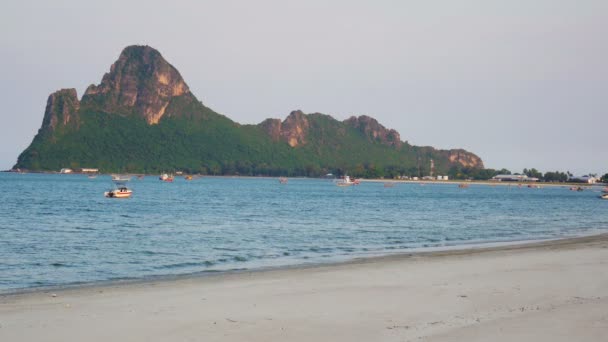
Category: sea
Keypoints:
(59, 230)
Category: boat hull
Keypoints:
(118, 194)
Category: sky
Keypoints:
(523, 84)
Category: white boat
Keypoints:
(604, 196)
(120, 178)
(166, 177)
(121, 191)
(346, 181)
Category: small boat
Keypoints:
(604, 196)
(92, 176)
(120, 178)
(166, 177)
(576, 188)
(283, 180)
(463, 185)
(389, 185)
(605, 190)
(140, 177)
(188, 177)
(121, 191)
(346, 181)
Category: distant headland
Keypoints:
(142, 118)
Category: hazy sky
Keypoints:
(520, 83)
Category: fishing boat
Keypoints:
(347, 181)
(120, 178)
(166, 177)
(121, 191)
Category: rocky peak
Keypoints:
(465, 158)
(292, 130)
(272, 127)
(371, 128)
(141, 81)
(61, 109)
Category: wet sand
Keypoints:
(548, 291)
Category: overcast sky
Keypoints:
(522, 83)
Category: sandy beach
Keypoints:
(548, 291)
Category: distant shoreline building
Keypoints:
(583, 179)
(89, 170)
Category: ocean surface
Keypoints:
(58, 230)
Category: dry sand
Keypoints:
(554, 291)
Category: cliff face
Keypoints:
(61, 109)
(293, 130)
(272, 127)
(374, 131)
(464, 158)
(141, 81)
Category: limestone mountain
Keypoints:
(142, 82)
(142, 117)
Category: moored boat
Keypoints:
(166, 177)
(121, 191)
(120, 178)
(347, 181)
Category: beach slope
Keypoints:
(551, 291)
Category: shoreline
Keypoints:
(363, 180)
(542, 291)
(401, 255)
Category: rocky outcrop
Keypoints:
(293, 130)
(374, 131)
(141, 81)
(465, 159)
(61, 109)
(272, 127)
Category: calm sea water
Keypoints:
(59, 229)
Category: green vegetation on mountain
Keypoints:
(142, 118)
